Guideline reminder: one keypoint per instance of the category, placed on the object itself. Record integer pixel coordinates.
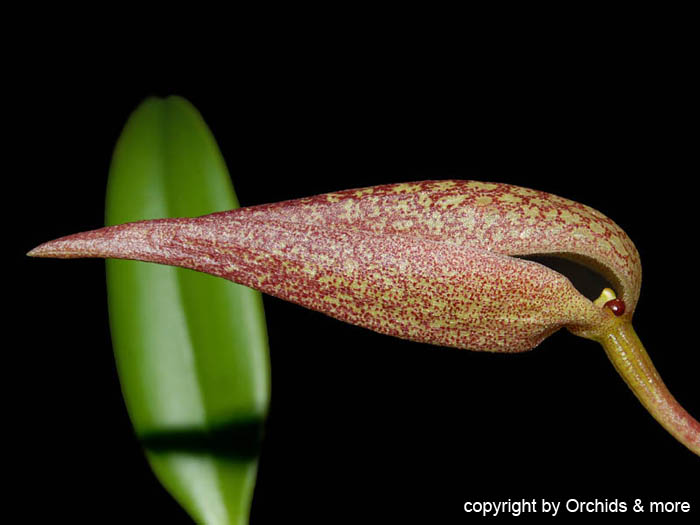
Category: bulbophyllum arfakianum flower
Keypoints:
(439, 262)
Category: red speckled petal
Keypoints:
(333, 257)
(428, 261)
(495, 217)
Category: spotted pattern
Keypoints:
(499, 218)
(428, 261)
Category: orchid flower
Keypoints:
(439, 262)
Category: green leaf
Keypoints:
(191, 349)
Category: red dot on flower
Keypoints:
(617, 306)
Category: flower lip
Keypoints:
(617, 306)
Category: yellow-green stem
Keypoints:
(632, 362)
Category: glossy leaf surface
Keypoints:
(191, 350)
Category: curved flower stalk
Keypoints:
(434, 261)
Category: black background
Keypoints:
(361, 424)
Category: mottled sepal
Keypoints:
(428, 261)
(438, 262)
